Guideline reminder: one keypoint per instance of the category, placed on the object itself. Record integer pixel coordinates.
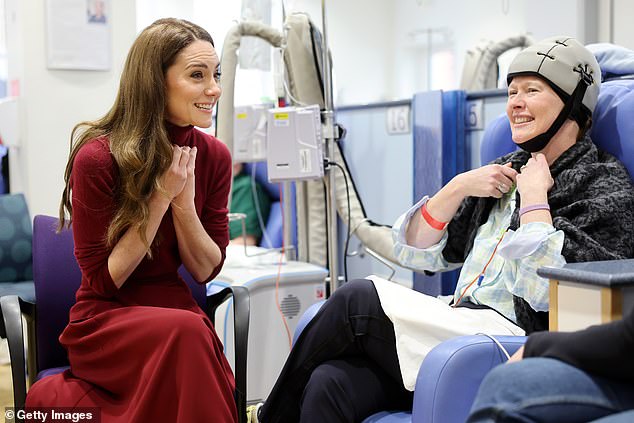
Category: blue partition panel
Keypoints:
(439, 154)
(380, 166)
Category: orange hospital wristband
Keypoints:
(439, 226)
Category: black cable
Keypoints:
(356, 191)
(349, 232)
(354, 186)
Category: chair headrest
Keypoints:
(496, 140)
(613, 126)
(612, 129)
(615, 61)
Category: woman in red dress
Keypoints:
(147, 192)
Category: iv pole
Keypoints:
(329, 140)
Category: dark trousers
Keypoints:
(343, 367)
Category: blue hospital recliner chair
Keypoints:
(273, 227)
(451, 373)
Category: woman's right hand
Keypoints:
(487, 181)
(174, 178)
(492, 180)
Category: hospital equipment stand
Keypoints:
(329, 139)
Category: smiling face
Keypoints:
(192, 87)
(532, 107)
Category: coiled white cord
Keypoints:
(506, 353)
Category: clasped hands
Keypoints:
(495, 180)
(178, 180)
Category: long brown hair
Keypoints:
(135, 125)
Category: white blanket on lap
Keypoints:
(421, 322)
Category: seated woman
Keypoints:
(147, 192)
(247, 197)
(558, 200)
(580, 376)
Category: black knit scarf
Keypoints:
(592, 202)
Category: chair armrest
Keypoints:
(13, 307)
(608, 273)
(241, 310)
(588, 293)
(450, 375)
(305, 319)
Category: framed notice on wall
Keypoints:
(78, 34)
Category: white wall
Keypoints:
(147, 11)
(459, 25)
(376, 53)
(348, 33)
(53, 101)
(623, 30)
(380, 48)
(360, 36)
(216, 16)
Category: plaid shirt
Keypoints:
(513, 268)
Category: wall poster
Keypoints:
(78, 34)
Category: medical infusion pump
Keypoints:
(249, 133)
(294, 144)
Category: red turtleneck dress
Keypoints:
(144, 352)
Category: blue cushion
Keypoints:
(615, 61)
(613, 126)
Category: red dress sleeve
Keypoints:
(93, 181)
(214, 211)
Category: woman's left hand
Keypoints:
(534, 178)
(185, 200)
